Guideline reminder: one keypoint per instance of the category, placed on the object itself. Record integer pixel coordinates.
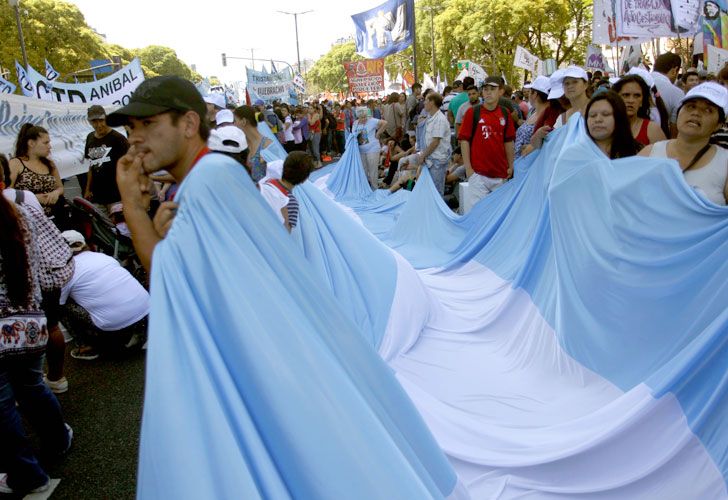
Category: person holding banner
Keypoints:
(367, 132)
(575, 83)
(437, 149)
(705, 166)
(245, 120)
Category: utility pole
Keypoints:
(14, 5)
(295, 21)
(252, 55)
(432, 36)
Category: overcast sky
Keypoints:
(201, 31)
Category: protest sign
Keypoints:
(298, 83)
(271, 86)
(595, 58)
(475, 71)
(717, 58)
(385, 29)
(67, 127)
(715, 24)
(6, 87)
(604, 25)
(365, 76)
(646, 18)
(26, 86)
(685, 14)
(525, 60)
(115, 89)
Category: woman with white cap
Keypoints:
(705, 166)
(538, 99)
(635, 93)
(572, 83)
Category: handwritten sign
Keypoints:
(365, 76)
(595, 58)
(525, 60)
(645, 18)
(717, 58)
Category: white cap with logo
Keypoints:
(712, 92)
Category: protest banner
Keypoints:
(26, 86)
(604, 25)
(685, 14)
(646, 18)
(715, 25)
(268, 87)
(6, 87)
(67, 127)
(113, 90)
(298, 83)
(409, 78)
(525, 60)
(385, 29)
(473, 70)
(365, 76)
(595, 58)
(717, 58)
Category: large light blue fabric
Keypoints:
(257, 385)
(626, 262)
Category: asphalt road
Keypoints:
(104, 406)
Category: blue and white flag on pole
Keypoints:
(385, 29)
(25, 84)
(6, 87)
(50, 73)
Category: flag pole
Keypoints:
(414, 40)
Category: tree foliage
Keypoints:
(559, 29)
(328, 72)
(57, 30)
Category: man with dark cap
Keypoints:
(168, 130)
(104, 147)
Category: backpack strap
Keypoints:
(476, 119)
(19, 196)
(507, 115)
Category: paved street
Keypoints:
(103, 405)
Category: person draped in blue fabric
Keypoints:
(279, 192)
(165, 120)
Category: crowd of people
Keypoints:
(470, 134)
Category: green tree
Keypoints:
(163, 61)
(53, 30)
(328, 72)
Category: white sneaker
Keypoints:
(4, 488)
(57, 386)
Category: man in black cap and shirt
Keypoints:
(104, 147)
(168, 130)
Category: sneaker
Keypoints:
(57, 386)
(70, 438)
(4, 488)
(86, 354)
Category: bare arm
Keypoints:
(510, 154)
(645, 151)
(87, 192)
(465, 150)
(655, 133)
(15, 168)
(428, 150)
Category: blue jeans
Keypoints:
(438, 169)
(21, 380)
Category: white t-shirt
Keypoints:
(29, 198)
(437, 126)
(288, 132)
(671, 95)
(274, 197)
(366, 134)
(111, 295)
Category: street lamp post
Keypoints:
(14, 5)
(295, 20)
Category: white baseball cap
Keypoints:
(556, 84)
(711, 92)
(73, 237)
(541, 83)
(216, 98)
(229, 139)
(224, 116)
(644, 74)
(574, 72)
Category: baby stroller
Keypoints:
(102, 234)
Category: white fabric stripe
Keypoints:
(521, 419)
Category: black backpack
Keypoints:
(476, 119)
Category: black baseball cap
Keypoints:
(158, 95)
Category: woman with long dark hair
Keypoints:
(608, 126)
(245, 120)
(23, 339)
(635, 93)
(33, 170)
